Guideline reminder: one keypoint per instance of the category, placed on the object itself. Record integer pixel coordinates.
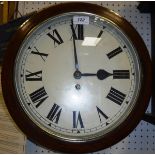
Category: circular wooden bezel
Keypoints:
(35, 133)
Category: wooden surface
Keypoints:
(12, 140)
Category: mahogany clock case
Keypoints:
(35, 133)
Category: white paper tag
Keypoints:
(84, 20)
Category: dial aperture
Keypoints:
(74, 90)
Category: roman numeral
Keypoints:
(121, 74)
(55, 37)
(42, 55)
(54, 113)
(116, 96)
(35, 76)
(39, 96)
(77, 120)
(77, 32)
(114, 52)
(101, 113)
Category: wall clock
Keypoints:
(76, 78)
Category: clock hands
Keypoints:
(77, 73)
(75, 53)
(101, 74)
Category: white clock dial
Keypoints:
(77, 80)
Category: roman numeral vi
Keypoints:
(77, 120)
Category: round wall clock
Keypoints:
(76, 78)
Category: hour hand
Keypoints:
(101, 74)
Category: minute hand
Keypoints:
(101, 74)
(75, 53)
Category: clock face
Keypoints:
(77, 76)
